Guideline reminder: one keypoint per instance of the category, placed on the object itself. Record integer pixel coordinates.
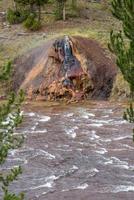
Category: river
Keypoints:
(82, 152)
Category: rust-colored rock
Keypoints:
(71, 68)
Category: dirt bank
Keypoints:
(66, 69)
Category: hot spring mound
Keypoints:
(68, 68)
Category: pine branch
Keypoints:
(6, 72)
(124, 11)
(10, 118)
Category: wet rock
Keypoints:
(71, 68)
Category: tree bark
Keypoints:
(15, 5)
(74, 4)
(64, 11)
(39, 14)
(31, 8)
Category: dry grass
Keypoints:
(121, 89)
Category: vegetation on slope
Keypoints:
(124, 50)
(93, 20)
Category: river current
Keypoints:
(82, 152)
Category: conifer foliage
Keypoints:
(28, 12)
(5, 72)
(122, 45)
(10, 118)
(129, 115)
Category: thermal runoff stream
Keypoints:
(75, 152)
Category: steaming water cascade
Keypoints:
(75, 152)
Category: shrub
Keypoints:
(13, 16)
(32, 23)
(36, 25)
(25, 14)
(17, 16)
(10, 118)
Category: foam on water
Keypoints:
(127, 146)
(30, 114)
(105, 116)
(119, 122)
(101, 151)
(46, 185)
(69, 115)
(116, 162)
(44, 118)
(108, 162)
(82, 187)
(15, 159)
(122, 137)
(98, 121)
(75, 167)
(96, 125)
(105, 140)
(123, 188)
(35, 131)
(123, 166)
(31, 151)
(65, 150)
(39, 131)
(34, 127)
(42, 152)
(86, 115)
(110, 111)
(71, 132)
(93, 171)
(13, 152)
(116, 188)
(94, 136)
(51, 178)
